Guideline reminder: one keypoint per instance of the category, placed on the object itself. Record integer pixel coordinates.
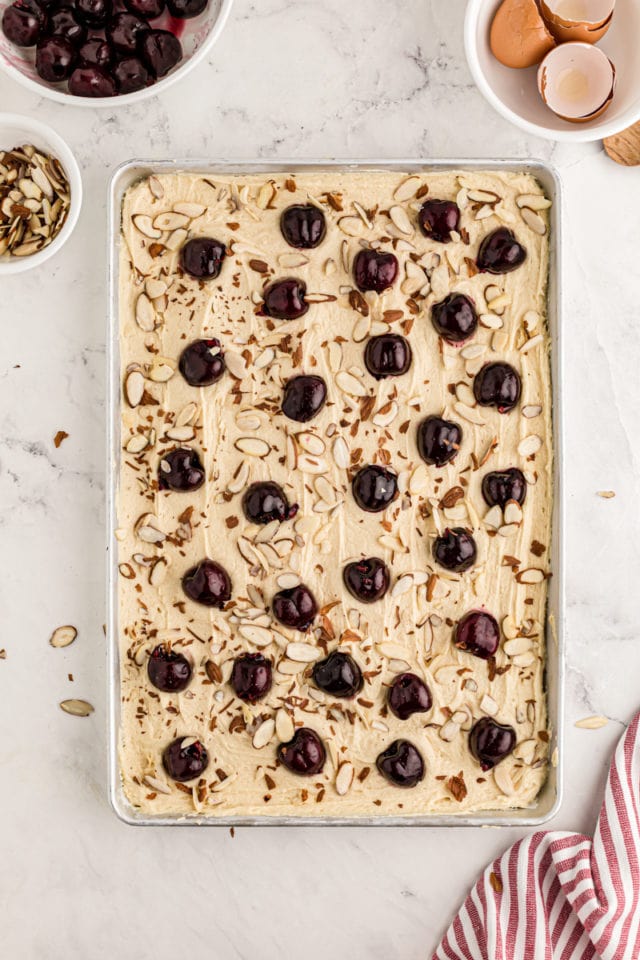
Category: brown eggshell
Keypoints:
(583, 60)
(564, 29)
(518, 36)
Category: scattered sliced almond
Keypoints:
(252, 446)
(344, 778)
(63, 636)
(303, 652)
(503, 779)
(134, 388)
(530, 445)
(407, 189)
(592, 723)
(534, 221)
(400, 219)
(77, 708)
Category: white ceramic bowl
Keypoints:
(198, 37)
(15, 131)
(514, 93)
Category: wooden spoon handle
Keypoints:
(625, 147)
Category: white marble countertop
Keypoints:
(287, 79)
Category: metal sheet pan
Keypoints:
(548, 801)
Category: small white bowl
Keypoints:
(514, 93)
(16, 131)
(198, 37)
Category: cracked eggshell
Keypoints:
(577, 81)
(518, 36)
(584, 20)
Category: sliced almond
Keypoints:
(530, 575)
(137, 443)
(533, 201)
(311, 443)
(265, 358)
(386, 415)
(344, 778)
(187, 209)
(253, 446)
(77, 708)
(531, 321)
(350, 384)
(532, 344)
(285, 728)
(292, 260)
(258, 636)
(592, 723)
(134, 388)
(400, 219)
(509, 627)
(530, 445)
(402, 585)
(303, 652)
(264, 734)
(170, 221)
(513, 512)
(473, 350)
(491, 320)
(516, 646)
(162, 369)
(531, 411)
(499, 341)
(419, 480)
(145, 313)
(144, 225)
(158, 572)
(181, 434)
(340, 452)
(176, 239)
(392, 651)
(508, 530)
(313, 465)
(155, 288)
(493, 517)
(534, 221)
(352, 226)
(488, 705)
(239, 482)
(248, 420)
(63, 636)
(235, 364)
(449, 731)
(407, 189)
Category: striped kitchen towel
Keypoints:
(563, 896)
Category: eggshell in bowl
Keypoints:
(577, 81)
(583, 20)
(518, 35)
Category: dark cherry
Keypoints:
(490, 741)
(93, 13)
(500, 252)
(455, 318)
(96, 52)
(500, 486)
(251, 677)
(168, 671)
(202, 258)
(207, 583)
(145, 9)
(55, 58)
(265, 501)
(202, 362)
(304, 754)
(401, 764)
(24, 22)
(437, 218)
(455, 550)
(131, 74)
(186, 9)
(304, 397)
(91, 82)
(160, 50)
(367, 580)
(408, 694)
(387, 355)
(124, 33)
(338, 674)
(374, 488)
(65, 22)
(478, 633)
(438, 440)
(181, 470)
(497, 385)
(295, 608)
(303, 226)
(374, 270)
(185, 763)
(284, 300)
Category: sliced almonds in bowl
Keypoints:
(35, 198)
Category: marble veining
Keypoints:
(285, 80)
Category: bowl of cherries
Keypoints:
(99, 52)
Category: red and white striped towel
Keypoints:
(563, 896)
